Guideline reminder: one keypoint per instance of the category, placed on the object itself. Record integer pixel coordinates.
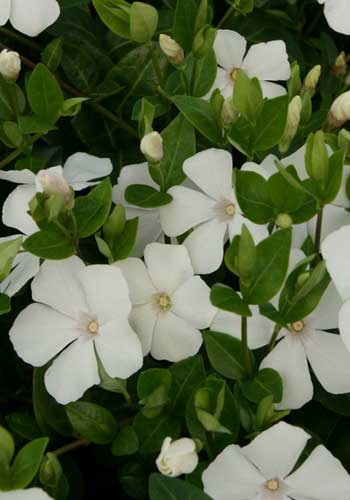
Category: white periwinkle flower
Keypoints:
(265, 470)
(214, 213)
(152, 147)
(29, 494)
(30, 17)
(10, 64)
(337, 13)
(177, 457)
(266, 61)
(78, 309)
(170, 304)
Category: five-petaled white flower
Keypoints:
(30, 494)
(337, 13)
(265, 470)
(266, 61)
(214, 213)
(79, 309)
(30, 17)
(170, 304)
(177, 457)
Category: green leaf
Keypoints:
(145, 196)
(153, 388)
(27, 462)
(271, 123)
(247, 97)
(184, 22)
(50, 243)
(151, 432)
(12, 100)
(8, 251)
(93, 422)
(285, 197)
(44, 94)
(7, 446)
(111, 384)
(5, 304)
(143, 22)
(266, 382)
(115, 14)
(168, 488)
(126, 442)
(187, 375)
(52, 54)
(24, 425)
(123, 245)
(225, 354)
(335, 174)
(91, 211)
(228, 299)
(253, 197)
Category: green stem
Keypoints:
(156, 65)
(193, 76)
(20, 39)
(17, 152)
(246, 354)
(318, 231)
(274, 337)
(226, 16)
(71, 446)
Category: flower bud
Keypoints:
(293, 120)
(52, 182)
(284, 221)
(10, 64)
(171, 49)
(340, 65)
(204, 41)
(152, 147)
(228, 113)
(344, 140)
(311, 80)
(177, 457)
(340, 110)
(294, 82)
(316, 157)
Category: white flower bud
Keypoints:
(171, 49)
(177, 457)
(293, 120)
(340, 65)
(340, 110)
(152, 147)
(53, 182)
(312, 78)
(229, 114)
(10, 64)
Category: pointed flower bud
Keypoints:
(340, 110)
(152, 147)
(311, 79)
(53, 183)
(177, 457)
(171, 49)
(10, 64)
(340, 65)
(228, 113)
(293, 120)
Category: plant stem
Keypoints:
(20, 39)
(71, 446)
(156, 65)
(193, 76)
(17, 152)
(274, 336)
(318, 231)
(226, 16)
(246, 354)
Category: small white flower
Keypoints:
(171, 49)
(78, 309)
(214, 213)
(266, 61)
(152, 147)
(177, 457)
(30, 17)
(170, 304)
(340, 110)
(52, 182)
(337, 13)
(10, 64)
(264, 470)
(30, 494)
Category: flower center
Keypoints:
(272, 484)
(230, 209)
(298, 326)
(93, 327)
(164, 301)
(233, 74)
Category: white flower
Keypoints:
(214, 213)
(265, 61)
(340, 110)
(337, 13)
(152, 147)
(30, 17)
(78, 309)
(177, 457)
(171, 49)
(30, 494)
(170, 304)
(10, 64)
(265, 470)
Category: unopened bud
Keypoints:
(344, 140)
(152, 147)
(52, 183)
(284, 221)
(312, 79)
(204, 41)
(340, 65)
(171, 49)
(293, 120)
(10, 64)
(228, 113)
(302, 279)
(340, 111)
(316, 157)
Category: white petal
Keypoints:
(141, 288)
(267, 61)
(325, 316)
(119, 349)
(344, 324)
(30, 494)
(333, 218)
(231, 476)
(250, 166)
(321, 476)
(258, 231)
(299, 235)
(330, 360)
(212, 171)
(39, 333)
(335, 250)
(143, 319)
(25, 267)
(106, 291)
(148, 230)
(341, 199)
(131, 174)
(81, 168)
(58, 286)
(276, 451)
(31, 17)
(229, 47)
(337, 13)
(24, 176)
(174, 338)
(223, 82)
(289, 359)
(15, 208)
(168, 265)
(191, 301)
(205, 246)
(259, 328)
(5, 7)
(297, 159)
(187, 209)
(271, 90)
(73, 372)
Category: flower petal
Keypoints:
(267, 61)
(344, 325)
(337, 15)
(73, 372)
(211, 170)
(14, 210)
(141, 288)
(58, 286)
(289, 359)
(143, 319)
(34, 18)
(24, 176)
(191, 301)
(326, 314)
(29, 494)
(333, 218)
(231, 476)
(271, 90)
(335, 250)
(168, 265)
(223, 82)
(174, 339)
(131, 174)
(258, 231)
(39, 333)
(5, 7)
(276, 451)
(25, 267)
(148, 230)
(321, 476)
(229, 47)
(81, 168)
(119, 349)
